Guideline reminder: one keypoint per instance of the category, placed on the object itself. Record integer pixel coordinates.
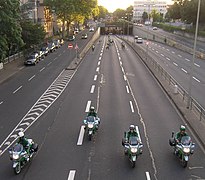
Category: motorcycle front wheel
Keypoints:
(90, 137)
(133, 164)
(184, 163)
(17, 169)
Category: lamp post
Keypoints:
(193, 57)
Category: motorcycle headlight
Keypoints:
(15, 156)
(90, 126)
(133, 150)
(186, 150)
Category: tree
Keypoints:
(102, 12)
(10, 31)
(144, 16)
(119, 13)
(174, 11)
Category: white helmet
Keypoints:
(92, 108)
(21, 134)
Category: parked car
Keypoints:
(56, 43)
(136, 37)
(91, 29)
(84, 36)
(139, 40)
(154, 28)
(71, 38)
(45, 50)
(32, 59)
(61, 42)
(51, 47)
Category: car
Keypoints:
(154, 28)
(45, 50)
(56, 43)
(76, 31)
(136, 37)
(32, 59)
(139, 40)
(51, 47)
(71, 38)
(61, 42)
(91, 29)
(84, 36)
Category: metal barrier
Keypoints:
(158, 70)
(13, 57)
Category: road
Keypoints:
(124, 92)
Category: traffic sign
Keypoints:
(70, 46)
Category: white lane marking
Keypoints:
(167, 49)
(196, 79)
(122, 69)
(100, 58)
(127, 89)
(31, 77)
(121, 63)
(98, 63)
(81, 135)
(187, 59)
(119, 58)
(173, 52)
(163, 47)
(55, 58)
(1, 102)
(167, 58)
(197, 65)
(95, 77)
(131, 106)
(179, 55)
(159, 46)
(92, 89)
(162, 55)
(64, 51)
(88, 106)
(157, 52)
(148, 176)
(153, 49)
(183, 70)
(97, 70)
(125, 78)
(71, 175)
(42, 69)
(101, 54)
(175, 64)
(17, 89)
(49, 63)
(138, 132)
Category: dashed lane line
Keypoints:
(127, 88)
(92, 89)
(1, 102)
(175, 64)
(196, 79)
(183, 70)
(71, 175)
(95, 77)
(88, 106)
(17, 89)
(148, 176)
(131, 106)
(42, 69)
(31, 78)
(81, 135)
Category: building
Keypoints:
(141, 6)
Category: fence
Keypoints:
(13, 57)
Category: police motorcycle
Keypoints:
(92, 125)
(183, 149)
(132, 148)
(20, 157)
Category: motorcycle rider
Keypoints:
(131, 133)
(123, 45)
(93, 113)
(24, 142)
(180, 134)
(93, 47)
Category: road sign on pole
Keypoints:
(70, 46)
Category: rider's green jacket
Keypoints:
(23, 142)
(131, 134)
(179, 136)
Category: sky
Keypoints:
(112, 5)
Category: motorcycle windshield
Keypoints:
(18, 148)
(133, 141)
(186, 140)
(91, 119)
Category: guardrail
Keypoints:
(13, 57)
(159, 73)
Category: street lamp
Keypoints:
(193, 58)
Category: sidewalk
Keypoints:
(11, 69)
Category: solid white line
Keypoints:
(97, 70)
(71, 175)
(148, 176)
(127, 89)
(98, 63)
(95, 77)
(184, 70)
(131, 106)
(175, 64)
(42, 69)
(88, 106)
(32, 77)
(1, 102)
(92, 89)
(125, 78)
(187, 59)
(167, 58)
(81, 135)
(138, 132)
(100, 58)
(196, 79)
(17, 89)
(179, 55)
(197, 65)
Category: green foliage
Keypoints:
(10, 31)
(144, 16)
(102, 12)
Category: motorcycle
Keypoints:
(123, 45)
(183, 149)
(20, 157)
(133, 149)
(92, 125)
